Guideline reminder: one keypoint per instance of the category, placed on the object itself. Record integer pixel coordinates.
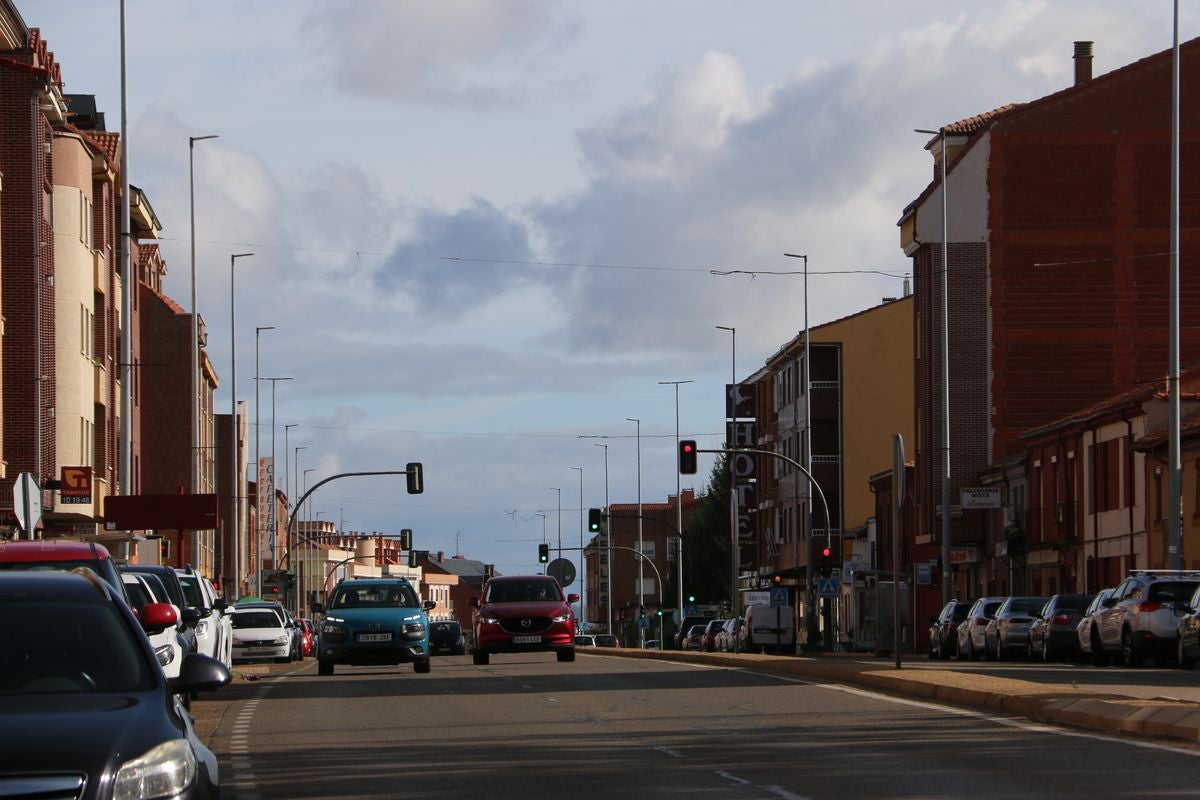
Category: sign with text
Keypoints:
(266, 493)
(981, 497)
(76, 485)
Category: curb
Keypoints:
(1102, 713)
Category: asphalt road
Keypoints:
(529, 727)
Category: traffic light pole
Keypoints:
(812, 482)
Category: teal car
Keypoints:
(372, 622)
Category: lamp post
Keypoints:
(234, 489)
(543, 516)
(257, 437)
(810, 550)
(559, 491)
(582, 570)
(678, 506)
(308, 522)
(640, 549)
(195, 347)
(1174, 444)
(945, 373)
(295, 476)
(607, 541)
(287, 474)
(272, 520)
(733, 498)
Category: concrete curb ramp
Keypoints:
(1074, 707)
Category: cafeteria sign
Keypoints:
(981, 497)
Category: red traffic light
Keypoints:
(826, 552)
(687, 457)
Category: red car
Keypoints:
(310, 635)
(523, 614)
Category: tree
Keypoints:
(706, 560)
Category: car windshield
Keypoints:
(1163, 591)
(55, 647)
(256, 619)
(367, 596)
(523, 591)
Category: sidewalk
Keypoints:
(1078, 707)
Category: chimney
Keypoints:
(441, 556)
(1083, 62)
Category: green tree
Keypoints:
(706, 560)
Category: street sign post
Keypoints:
(27, 502)
(563, 570)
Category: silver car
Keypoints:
(1138, 620)
(1007, 632)
(972, 631)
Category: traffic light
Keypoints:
(642, 615)
(658, 613)
(595, 519)
(776, 579)
(691, 598)
(415, 476)
(687, 457)
(543, 553)
(825, 560)
(406, 538)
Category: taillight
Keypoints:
(1147, 606)
(980, 621)
(1061, 619)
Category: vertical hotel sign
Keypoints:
(740, 414)
(266, 498)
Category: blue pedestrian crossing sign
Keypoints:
(779, 596)
(827, 587)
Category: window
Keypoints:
(648, 548)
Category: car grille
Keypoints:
(523, 625)
(256, 643)
(42, 787)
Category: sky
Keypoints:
(485, 231)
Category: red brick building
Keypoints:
(1058, 234)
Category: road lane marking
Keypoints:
(670, 752)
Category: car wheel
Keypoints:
(324, 667)
(480, 658)
(1185, 661)
(1099, 658)
(421, 667)
(566, 655)
(1129, 652)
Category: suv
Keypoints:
(1138, 619)
(214, 631)
(61, 554)
(522, 614)
(446, 636)
(170, 581)
(373, 621)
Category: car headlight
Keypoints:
(165, 654)
(202, 627)
(562, 616)
(164, 771)
(488, 618)
(282, 640)
(334, 633)
(414, 630)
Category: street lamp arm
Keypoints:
(292, 517)
(793, 462)
(651, 519)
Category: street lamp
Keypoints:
(543, 516)
(559, 491)
(678, 505)
(640, 549)
(582, 570)
(607, 540)
(235, 490)
(733, 498)
(295, 469)
(945, 369)
(810, 550)
(195, 348)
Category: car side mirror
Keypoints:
(572, 598)
(191, 615)
(157, 617)
(220, 604)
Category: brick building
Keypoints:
(1057, 234)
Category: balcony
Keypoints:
(100, 384)
(100, 271)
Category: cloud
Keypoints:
(461, 53)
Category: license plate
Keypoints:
(374, 637)
(526, 639)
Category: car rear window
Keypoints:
(990, 609)
(1026, 605)
(1180, 591)
(1074, 602)
(960, 612)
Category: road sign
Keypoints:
(563, 570)
(827, 587)
(27, 502)
(980, 497)
(758, 598)
(779, 596)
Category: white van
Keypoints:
(770, 629)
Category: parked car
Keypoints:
(694, 640)
(374, 621)
(727, 637)
(174, 588)
(607, 640)
(583, 640)
(521, 614)
(1052, 636)
(169, 647)
(446, 636)
(686, 626)
(943, 629)
(310, 635)
(87, 708)
(1085, 630)
(1188, 631)
(290, 624)
(652, 644)
(972, 630)
(1138, 620)
(259, 634)
(61, 554)
(214, 631)
(1007, 633)
(708, 642)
